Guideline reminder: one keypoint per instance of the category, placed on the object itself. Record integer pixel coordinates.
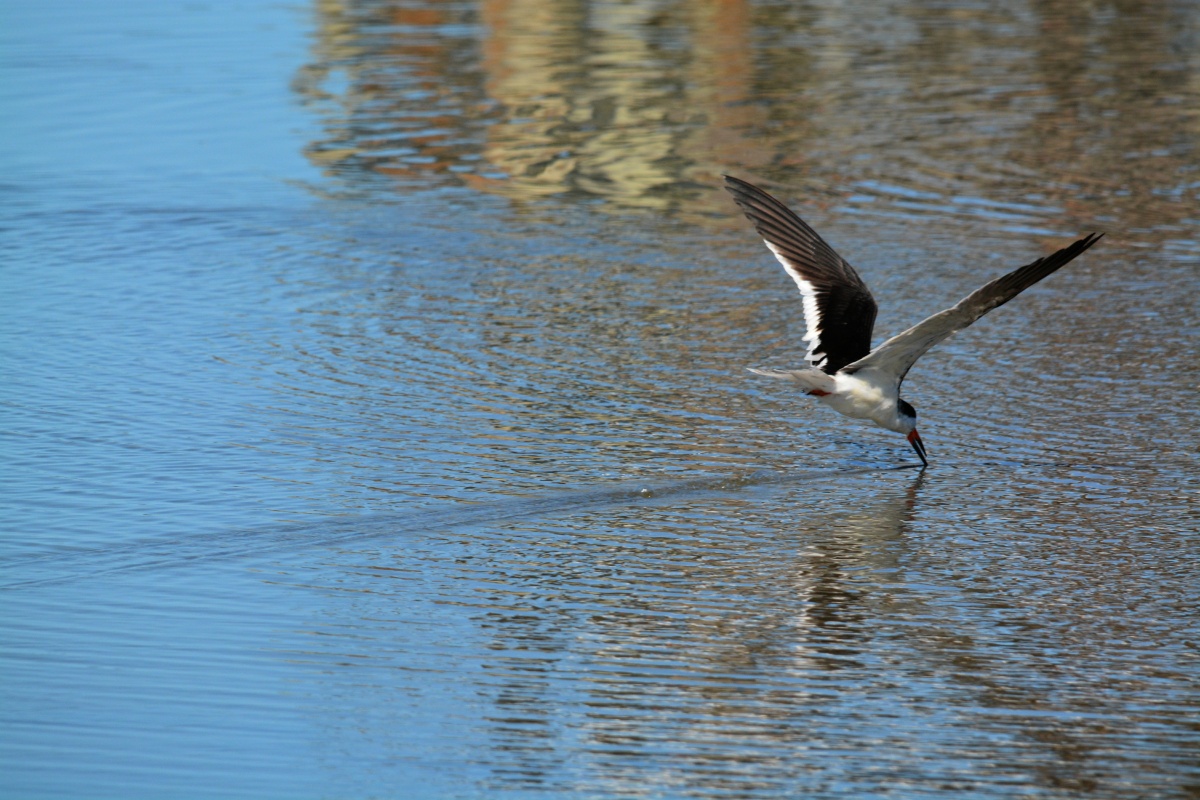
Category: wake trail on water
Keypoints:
(153, 553)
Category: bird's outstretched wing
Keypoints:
(897, 355)
(838, 308)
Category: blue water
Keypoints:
(375, 419)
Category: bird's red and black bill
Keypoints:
(914, 439)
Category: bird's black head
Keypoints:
(906, 409)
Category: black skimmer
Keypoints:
(845, 373)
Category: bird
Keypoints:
(844, 372)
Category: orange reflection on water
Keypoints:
(1087, 117)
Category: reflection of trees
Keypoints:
(398, 87)
(611, 98)
(643, 102)
(1121, 128)
(544, 97)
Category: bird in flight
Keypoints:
(845, 373)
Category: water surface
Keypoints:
(376, 421)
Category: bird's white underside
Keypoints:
(870, 394)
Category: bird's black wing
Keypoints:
(897, 355)
(838, 308)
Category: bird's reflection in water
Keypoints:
(671, 645)
(843, 573)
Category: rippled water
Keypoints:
(376, 421)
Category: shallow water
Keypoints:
(376, 421)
